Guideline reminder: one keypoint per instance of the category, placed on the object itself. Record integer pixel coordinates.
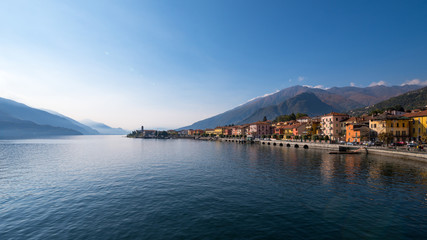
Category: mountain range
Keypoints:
(313, 101)
(18, 120)
(409, 101)
(104, 129)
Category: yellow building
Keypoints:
(418, 125)
(210, 131)
(219, 131)
(396, 127)
(313, 127)
(288, 131)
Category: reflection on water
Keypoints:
(112, 187)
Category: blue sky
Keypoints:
(170, 63)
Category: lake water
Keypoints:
(111, 187)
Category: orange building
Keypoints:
(199, 132)
(357, 132)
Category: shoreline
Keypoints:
(416, 156)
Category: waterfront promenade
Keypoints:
(400, 152)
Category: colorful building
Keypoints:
(395, 128)
(190, 132)
(331, 125)
(356, 132)
(238, 130)
(227, 131)
(258, 129)
(219, 131)
(418, 125)
(199, 132)
(313, 127)
(210, 132)
(299, 129)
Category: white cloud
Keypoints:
(317, 86)
(300, 79)
(415, 81)
(380, 83)
(352, 84)
(265, 95)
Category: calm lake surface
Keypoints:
(111, 187)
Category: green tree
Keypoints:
(298, 115)
(385, 137)
(264, 119)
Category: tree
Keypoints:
(293, 117)
(301, 115)
(385, 137)
(264, 119)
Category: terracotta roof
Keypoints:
(386, 116)
(335, 114)
(416, 114)
(352, 119)
(260, 123)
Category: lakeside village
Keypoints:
(392, 127)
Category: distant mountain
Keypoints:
(337, 99)
(306, 102)
(13, 128)
(410, 100)
(371, 95)
(23, 112)
(104, 129)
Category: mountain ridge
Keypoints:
(103, 128)
(40, 117)
(409, 101)
(340, 99)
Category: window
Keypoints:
(392, 125)
(403, 133)
(391, 132)
(397, 124)
(375, 125)
(403, 124)
(336, 119)
(413, 130)
(397, 133)
(336, 125)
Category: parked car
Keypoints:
(378, 143)
(350, 143)
(397, 144)
(412, 144)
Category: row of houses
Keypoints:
(390, 126)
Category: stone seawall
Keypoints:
(418, 156)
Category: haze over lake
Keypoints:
(109, 187)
